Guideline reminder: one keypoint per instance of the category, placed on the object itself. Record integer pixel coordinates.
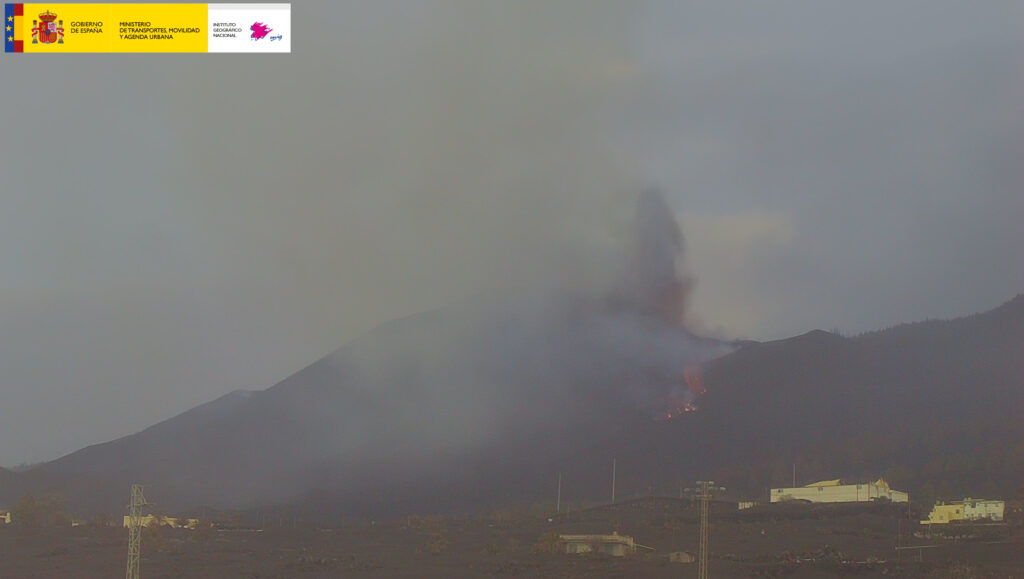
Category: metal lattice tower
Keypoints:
(705, 487)
(135, 531)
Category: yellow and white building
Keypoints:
(834, 491)
(155, 521)
(966, 510)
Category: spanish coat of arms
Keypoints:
(49, 30)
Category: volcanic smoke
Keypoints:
(654, 282)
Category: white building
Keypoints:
(615, 544)
(966, 510)
(834, 491)
(154, 521)
(682, 557)
(975, 509)
(5, 517)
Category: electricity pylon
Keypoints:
(705, 487)
(135, 531)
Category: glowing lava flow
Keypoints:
(678, 403)
(694, 376)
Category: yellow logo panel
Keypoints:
(52, 28)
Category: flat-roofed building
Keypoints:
(943, 514)
(977, 509)
(835, 491)
(155, 521)
(615, 544)
(966, 510)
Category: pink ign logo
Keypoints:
(259, 31)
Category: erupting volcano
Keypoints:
(657, 285)
(451, 387)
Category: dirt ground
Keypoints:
(765, 542)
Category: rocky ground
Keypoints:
(800, 541)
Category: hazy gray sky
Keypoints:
(176, 227)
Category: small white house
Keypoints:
(5, 517)
(834, 491)
(615, 544)
(975, 509)
(681, 557)
(154, 521)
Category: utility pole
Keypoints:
(899, 540)
(135, 531)
(558, 501)
(704, 487)
(613, 481)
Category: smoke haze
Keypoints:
(177, 227)
(463, 151)
(459, 386)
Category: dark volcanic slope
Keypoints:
(935, 406)
(396, 420)
(7, 478)
(411, 402)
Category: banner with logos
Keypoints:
(55, 28)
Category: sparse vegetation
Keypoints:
(439, 543)
(812, 541)
(547, 543)
(40, 512)
(102, 521)
(154, 536)
(962, 571)
(202, 532)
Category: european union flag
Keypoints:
(12, 31)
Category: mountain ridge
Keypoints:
(926, 404)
